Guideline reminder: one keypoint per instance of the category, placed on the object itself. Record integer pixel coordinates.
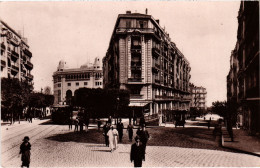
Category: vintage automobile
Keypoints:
(179, 123)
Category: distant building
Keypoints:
(243, 77)
(198, 97)
(67, 81)
(142, 58)
(15, 55)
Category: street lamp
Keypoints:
(117, 103)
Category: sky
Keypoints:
(77, 32)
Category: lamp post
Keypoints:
(117, 103)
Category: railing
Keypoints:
(27, 52)
(3, 46)
(156, 52)
(156, 65)
(29, 64)
(14, 67)
(136, 67)
(15, 54)
(135, 79)
(136, 96)
(30, 76)
(3, 63)
(136, 51)
(129, 30)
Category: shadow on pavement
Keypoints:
(199, 138)
(101, 150)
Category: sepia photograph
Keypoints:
(130, 83)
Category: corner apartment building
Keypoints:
(142, 58)
(68, 80)
(243, 77)
(15, 55)
(198, 97)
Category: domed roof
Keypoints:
(62, 65)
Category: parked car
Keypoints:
(179, 123)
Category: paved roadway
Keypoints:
(47, 152)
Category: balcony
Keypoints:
(15, 68)
(3, 46)
(14, 55)
(30, 76)
(3, 63)
(29, 65)
(27, 52)
(136, 96)
(136, 68)
(124, 30)
(135, 79)
(136, 51)
(163, 97)
(156, 52)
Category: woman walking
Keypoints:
(112, 137)
(25, 151)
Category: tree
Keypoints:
(15, 96)
(220, 108)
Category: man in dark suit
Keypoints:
(144, 136)
(120, 128)
(137, 153)
(106, 128)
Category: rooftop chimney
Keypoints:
(128, 12)
(146, 11)
(158, 21)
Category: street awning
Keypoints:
(137, 104)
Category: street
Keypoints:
(56, 146)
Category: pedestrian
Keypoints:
(109, 120)
(138, 132)
(98, 123)
(87, 124)
(112, 137)
(142, 121)
(106, 128)
(25, 151)
(144, 137)
(81, 124)
(30, 117)
(120, 128)
(134, 120)
(115, 133)
(130, 132)
(137, 153)
(76, 124)
(70, 123)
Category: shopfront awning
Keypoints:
(137, 104)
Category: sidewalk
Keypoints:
(243, 142)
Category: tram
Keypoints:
(61, 114)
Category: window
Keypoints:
(128, 24)
(85, 83)
(77, 83)
(59, 85)
(69, 84)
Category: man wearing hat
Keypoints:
(120, 128)
(25, 151)
(137, 153)
(144, 136)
